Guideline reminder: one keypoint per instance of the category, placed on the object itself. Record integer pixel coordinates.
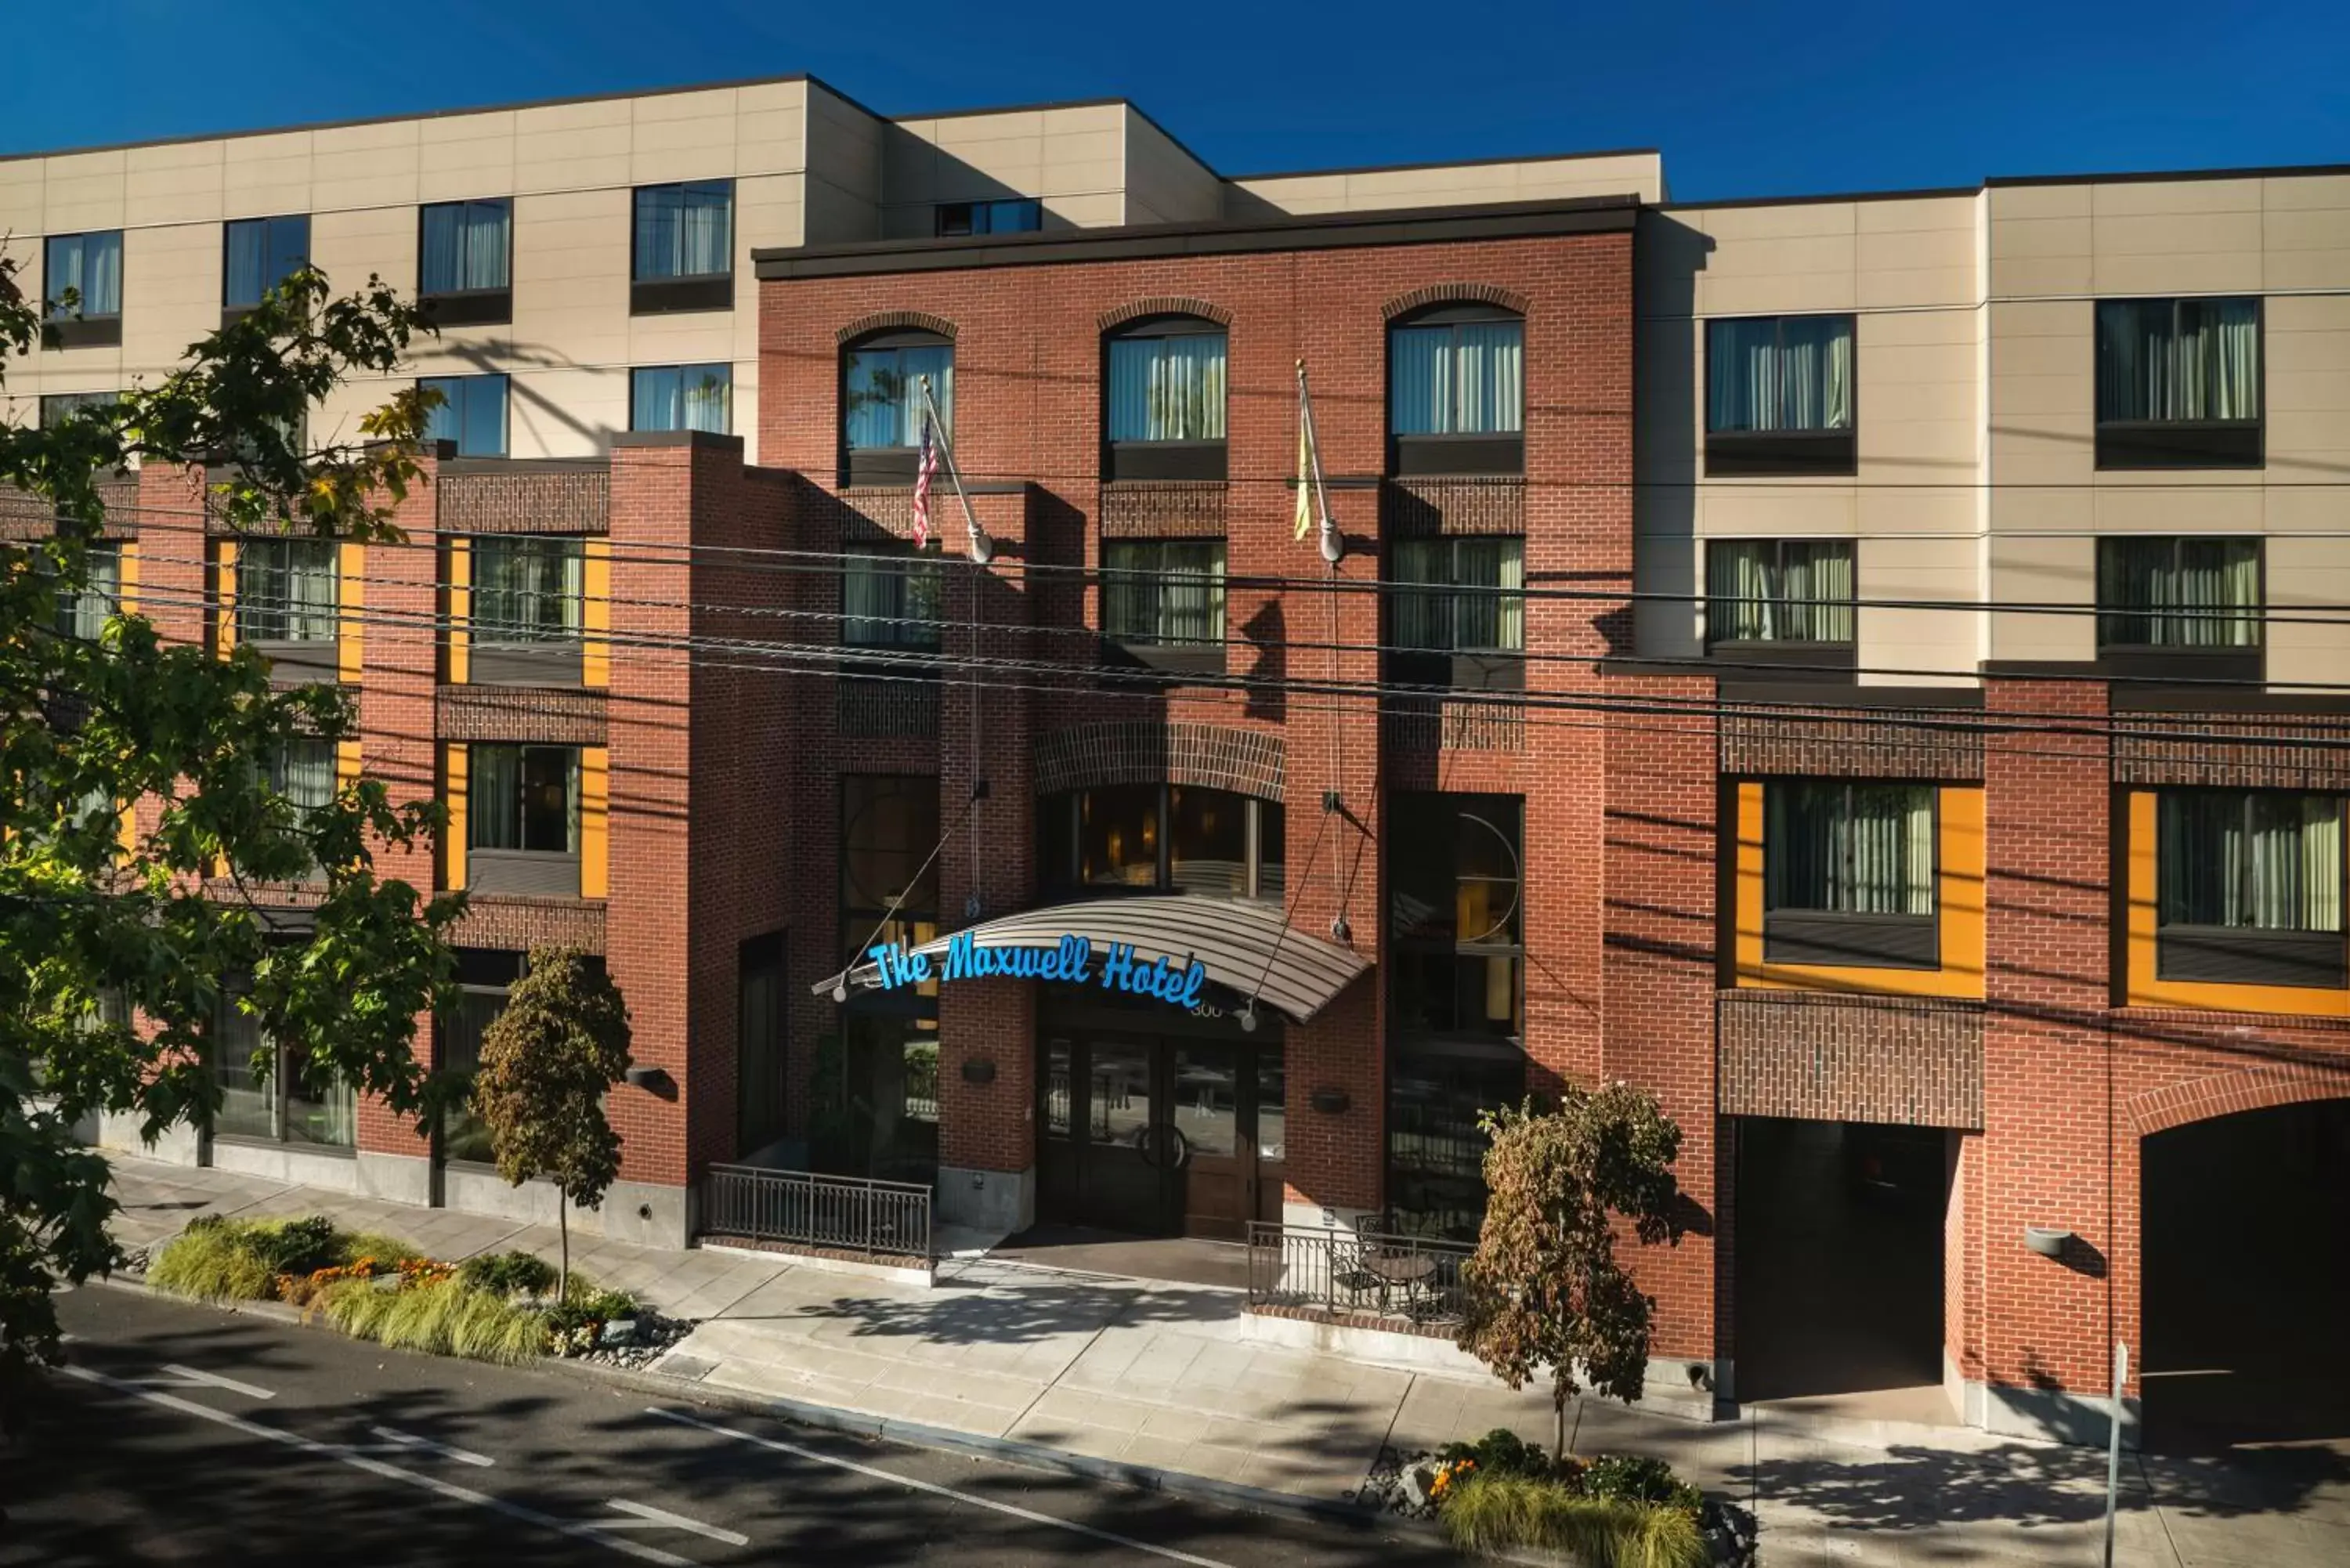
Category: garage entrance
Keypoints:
(2245, 1226)
(1839, 1265)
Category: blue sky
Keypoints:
(1757, 99)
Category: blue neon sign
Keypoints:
(1070, 962)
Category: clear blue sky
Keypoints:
(1754, 99)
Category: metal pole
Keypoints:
(2114, 1447)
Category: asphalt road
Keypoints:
(186, 1434)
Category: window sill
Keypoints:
(2141, 445)
(534, 872)
(1167, 658)
(83, 332)
(1821, 661)
(2224, 955)
(1128, 462)
(1826, 939)
(304, 661)
(469, 307)
(1495, 672)
(664, 295)
(1782, 454)
(557, 663)
(1443, 456)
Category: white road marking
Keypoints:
(360, 1461)
(652, 1518)
(190, 1377)
(395, 1439)
(682, 1418)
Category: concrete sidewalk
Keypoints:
(1179, 1378)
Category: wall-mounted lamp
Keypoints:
(654, 1081)
(979, 1070)
(1330, 1102)
(2046, 1240)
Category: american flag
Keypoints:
(923, 469)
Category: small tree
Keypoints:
(547, 1062)
(1545, 1288)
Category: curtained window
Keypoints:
(2173, 360)
(1775, 374)
(2178, 593)
(262, 253)
(473, 413)
(466, 246)
(685, 231)
(524, 797)
(89, 264)
(2251, 859)
(527, 587)
(890, 601)
(1461, 377)
(55, 408)
(882, 396)
(1460, 594)
(1163, 591)
(83, 612)
(1167, 387)
(304, 773)
(1848, 848)
(1779, 590)
(683, 398)
(287, 590)
(269, 1092)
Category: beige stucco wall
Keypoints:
(569, 169)
(1638, 174)
(1073, 158)
(1164, 183)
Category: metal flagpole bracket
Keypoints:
(1333, 543)
(981, 543)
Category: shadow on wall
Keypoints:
(1665, 455)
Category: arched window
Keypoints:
(1457, 391)
(881, 381)
(1163, 400)
(1162, 838)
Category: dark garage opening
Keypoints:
(2245, 1223)
(1839, 1264)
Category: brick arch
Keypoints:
(884, 320)
(2224, 1094)
(1149, 751)
(1162, 305)
(1454, 293)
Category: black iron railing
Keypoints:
(1375, 1278)
(879, 1219)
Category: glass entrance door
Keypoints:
(1159, 1136)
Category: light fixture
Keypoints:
(840, 989)
(1248, 1018)
(2046, 1240)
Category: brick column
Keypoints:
(2047, 1145)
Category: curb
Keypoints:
(912, 1434)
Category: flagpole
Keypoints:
(982, 548)
(1333, 546)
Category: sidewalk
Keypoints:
(1178, 1377)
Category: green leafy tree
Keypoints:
(1545, 1288)
(117, 961)
(547, 1062)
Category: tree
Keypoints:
(547, 1062)
(117, 961)
(1545, 1288)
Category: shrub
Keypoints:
(1634, 1478)
(1503, 1452)
(1494, 1513)
(442, 1317)
(217, 1259)
(509, 1273)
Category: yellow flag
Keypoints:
(1304, 476)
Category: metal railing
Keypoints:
(1374, 1278)
(881, 1219)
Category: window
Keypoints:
(2178, 383)
(262, 254)
(881, 402)
(1165, 596)
(1779, 394)
(484, 979)
(1849, 874)
(890, 601)
(1459, 611)
(89, 267)
(268, 1092)
(1456, 998)
(83, 612)
(522, 820)
(1165, 400)
(1017, 214)
(683, 398)
(762, 1063)
(303, 772)
(58, 407)
(1796, 591)
(527, 603)
(287, 590)
(473, 413)
(1163, 838)
(1456, 392)
(878, 1114)
(465, 253)
(2198, 598)
(2249, 887)
(684, 247)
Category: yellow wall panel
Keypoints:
(595, 820)
(460, 607)
(453, 836)
(223, 595)
(596, 614)
(352, 566)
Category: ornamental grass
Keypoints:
(1492, 1512)
(440, 1315)
(222, 1260)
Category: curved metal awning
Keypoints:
(1246, 947)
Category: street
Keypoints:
(184, 1433)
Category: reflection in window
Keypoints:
(1490, 615)
(683, 398)
(1457, 378)
(2257, 860)
(83, 612)
(272, 1095)
(524, 797)
(1163, 591)
(1011, 215)
(90, 266)
(1167, 387)
(890, 601)
(527, 587)
(262, 254)
(685, 231)
(882, 393)
(1779, 590)
(1848, 848)
(2178, 593)
(287, 590)
(472, 413)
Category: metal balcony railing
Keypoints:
(886, 1220)
(1370, 1278)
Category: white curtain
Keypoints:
(90, 263)
(1769, 590)
(287, 590)
(2182, 360)
(1438, 621)
(1779, 373)
(1167, 388)
(1492, 378)
(1468, 379)
(2251, 859)
(1849, 848)
(304, 773)
(890, 601)
(885, 394)
(1163, 591)
(685, 231)
(527, 587)
(466, 246)
(83, 613)
(2179, 592)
